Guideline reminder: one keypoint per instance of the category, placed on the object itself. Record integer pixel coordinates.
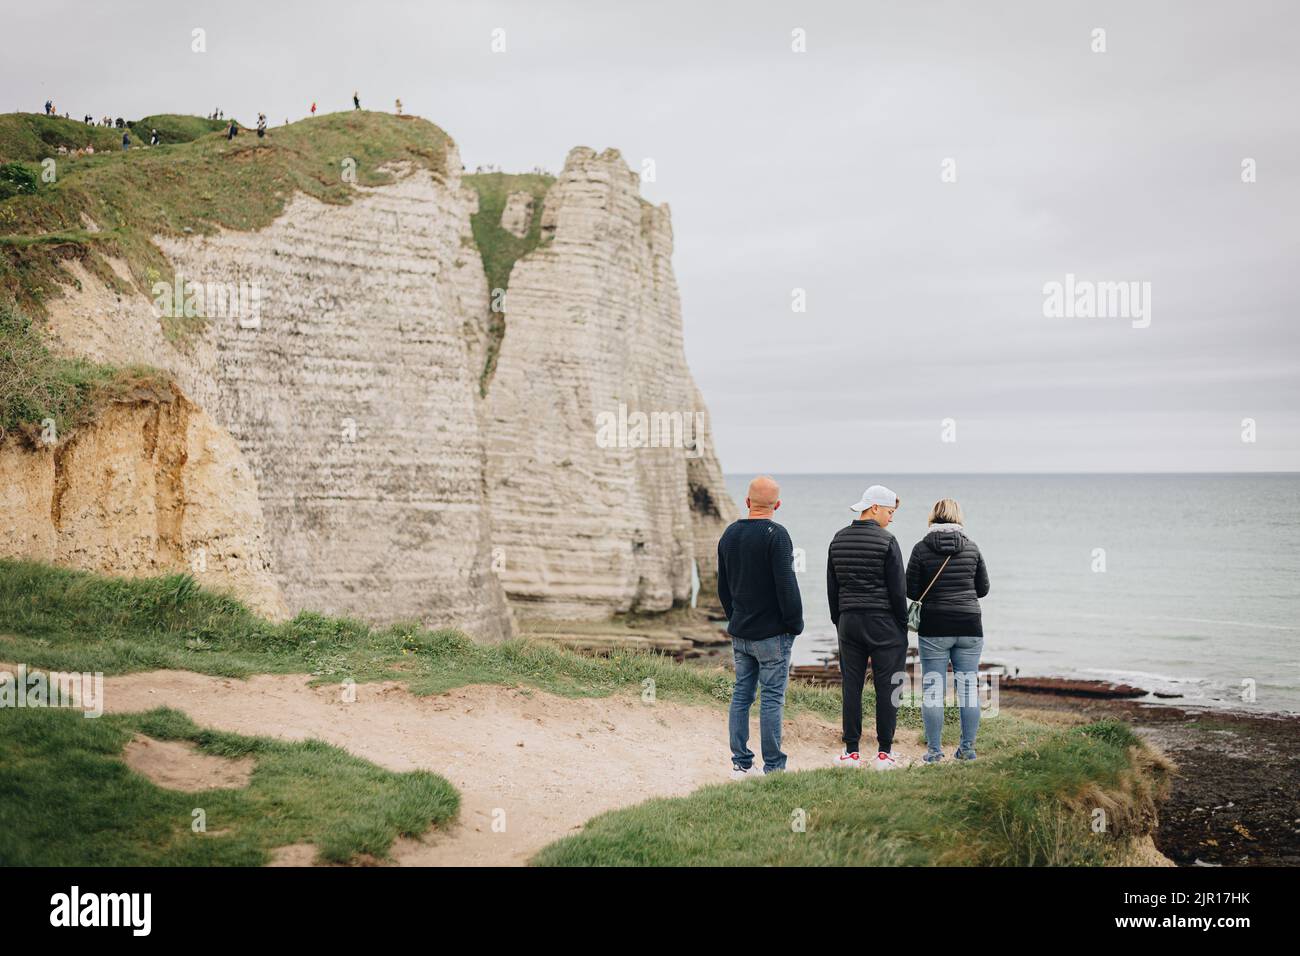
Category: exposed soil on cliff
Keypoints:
(531, 767)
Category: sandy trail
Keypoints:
(540, 763)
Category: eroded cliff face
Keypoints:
(591, 515)
(351, 389)
(152, 486)
(390, 487)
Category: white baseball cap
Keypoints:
(876, 495)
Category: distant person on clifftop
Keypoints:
(232, 131)
(867, 590)
(758, 591)
(313, 109)
(153, 137)
(356, 101)
(126, 140)
(261, 125)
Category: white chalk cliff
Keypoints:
(381, 483)
(593, 327)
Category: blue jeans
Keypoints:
(766, 663)
(964, 652)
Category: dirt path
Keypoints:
(540, 764)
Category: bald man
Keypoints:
(758, 590)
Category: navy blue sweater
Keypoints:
(756, 582)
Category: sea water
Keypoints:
(1179, 584)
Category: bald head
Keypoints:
(763, 497)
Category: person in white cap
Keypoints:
(867, 588)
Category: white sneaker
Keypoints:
(738, 773)
(884, 761)
(847, 759)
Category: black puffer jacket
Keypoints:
(864, 572)
(952, 607)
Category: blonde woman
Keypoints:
(948, 569)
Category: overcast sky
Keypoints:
(821, 171)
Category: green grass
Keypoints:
(173, 128)
(1027, 800)
(191, 187)
(31, 137)
(68, 799)
(499, 248)
(57, 238)
(1030, 805)
(17, 178)
(75, 621)
(36, 385)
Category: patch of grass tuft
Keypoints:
(16, 178)
(68, 799)
(36, 385)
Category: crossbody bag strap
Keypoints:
(933, 579)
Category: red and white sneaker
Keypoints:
(847, 759)
(884, 761)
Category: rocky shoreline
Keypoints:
(1235, 799)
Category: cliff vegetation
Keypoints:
(500, 248)
(37, 386)
(113, 202)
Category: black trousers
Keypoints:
(880, 639)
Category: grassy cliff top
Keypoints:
(175, 128)
(31, 137)
(114, 202)
(1038, 804)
